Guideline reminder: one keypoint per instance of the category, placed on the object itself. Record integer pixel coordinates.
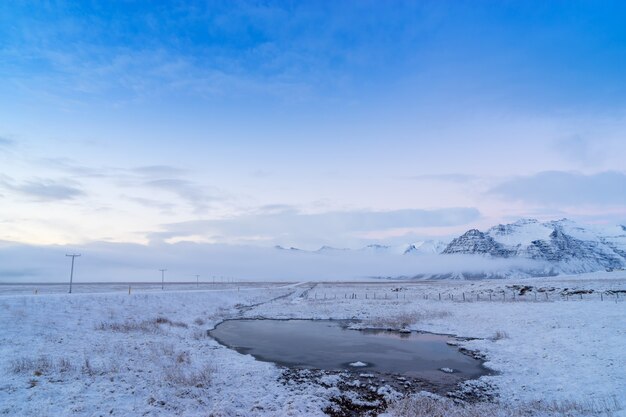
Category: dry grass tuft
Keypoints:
(145, 326)
(200, 378)
(404, 320)
(200, 334)
(499, 335)
(42, 365)
(165, 320)
(39, 366)
(427, 405)
(183, 357)
(128, 326)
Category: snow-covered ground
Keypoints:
(561, 342)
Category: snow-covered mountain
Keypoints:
(526, 247)
(426, 247)
(418, 248)
(565, 245)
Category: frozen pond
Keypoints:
(329, 345)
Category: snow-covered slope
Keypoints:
(564, 244)
(426, 247)
(417, 248)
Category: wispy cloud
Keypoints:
(580, 150)
(6, 142)
(188, 191)
(145, 172)
(167, 178)
(453, 177)
(165, 207)
(284, 223)
(72, 168)
(44, 190)
(159, 170)
(570, 188)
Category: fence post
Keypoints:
(463, 296)
(129, 290)
(601, 298)
(439, 296)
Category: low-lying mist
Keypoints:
(134, 262)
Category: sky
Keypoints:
(306, 123)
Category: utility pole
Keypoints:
(73, 255)
(197, 280)
(162, 278)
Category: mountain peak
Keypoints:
(376, 246)
(523, 221)
(278, 247)
(327, 248)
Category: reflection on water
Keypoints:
(326, 344)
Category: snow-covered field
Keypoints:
(558, 348)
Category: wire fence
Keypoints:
(488, 296)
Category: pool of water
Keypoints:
(329, 345)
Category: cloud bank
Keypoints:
(117, 262)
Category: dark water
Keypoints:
(326, 344)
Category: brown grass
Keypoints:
(199, 378)
(423, 405)
(404, 320)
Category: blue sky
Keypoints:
(306, 123)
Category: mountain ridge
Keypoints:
(567, 246)
(556, 247)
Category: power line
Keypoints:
(162, 278)
(73, 256)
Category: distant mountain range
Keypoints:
(417, 248)
(557, 247)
